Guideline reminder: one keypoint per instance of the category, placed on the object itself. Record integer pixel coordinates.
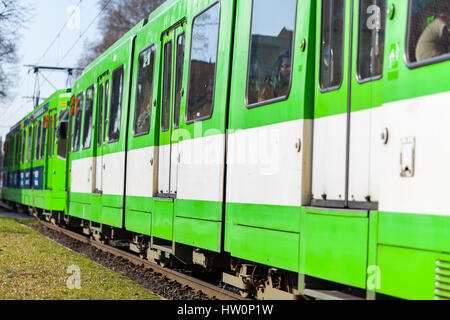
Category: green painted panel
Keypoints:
(112, 217)
(139, 222)
(270, 247)
(139, 204)
(76, 210)
(281, 218)
(420, 231)
(407, 273)
(198, 233)
(96, 203)
(196, 209)
(263, 233)
(162, 219)
(112, 201)
(334, 246)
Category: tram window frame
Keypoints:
(152, 49)
(100, 112)
(37, 145)
(206, 117)
(118, 111)
(358, 59)
(341, 81)
(249, 57)
(17, 150)
(44, 139)
(106, 110)
(50, 137)
(166, 98)
(86, 140)
(63, 117)
(55, 129)
(11, 152)
(79, 107)
(30, 143)
(179, 79)
(418, 64)
(24, 140)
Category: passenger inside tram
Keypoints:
(278, 84)
(434, 40)
(143, 122)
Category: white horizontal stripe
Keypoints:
(140, 167)
(427, 120)
(264, 166)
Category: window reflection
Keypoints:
(371, 38)
(144, 94)
(205, 36)
(429, 29)
(332, 43)
(272, 36)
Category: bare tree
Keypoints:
(118, 18)
(12, 15)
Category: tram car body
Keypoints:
(298, 145)
(35, 157)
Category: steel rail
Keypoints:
(196, 284)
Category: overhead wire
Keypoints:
(59, 33)
(84, 32)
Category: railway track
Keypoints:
(185, 280)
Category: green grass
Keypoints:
(33, 267)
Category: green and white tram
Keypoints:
(299, 145)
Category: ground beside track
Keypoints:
(33, 267)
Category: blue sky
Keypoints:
(47, 17)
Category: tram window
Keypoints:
(87, 125)
(38, 141)
(144, 92)
(165, 119)
(116, 105)
(179, 79)
(372, 24)
(18, 147)
(270, 59)
(205, 40)
(77, 123)
(21, 142)
(50, 137)
(30, 142)
(62, 133)
(332, 44)
(105, 115)
(428, 31)
(43, 142)
(24, 139)
(55, 129)
(100, 114)
(10, 150)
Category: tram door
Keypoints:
(102, 110)
(350, 49)
(172, 93)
